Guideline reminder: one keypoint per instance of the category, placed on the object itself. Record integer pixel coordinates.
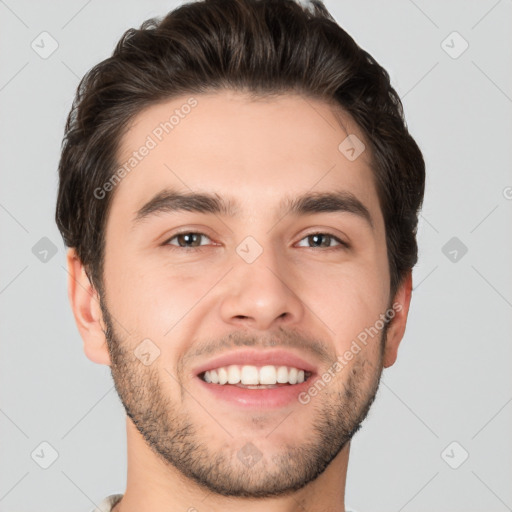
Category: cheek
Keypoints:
(348, 299)
(153, 298)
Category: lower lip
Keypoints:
(269, 398)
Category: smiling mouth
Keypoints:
(250, 370)
(262, 390)
(206, 378)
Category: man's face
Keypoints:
(262, 279)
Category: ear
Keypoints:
(85, 304)
(396, 328)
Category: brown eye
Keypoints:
(323, 240)
(187, 240)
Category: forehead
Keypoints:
(232, 145)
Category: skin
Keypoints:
(183, 445)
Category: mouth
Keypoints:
(256, 379)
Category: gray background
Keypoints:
(452, 380)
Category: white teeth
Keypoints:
(282, 374)
(268, 375)
(233, 374)
(249, 375)
(254, 375)
(223, 375)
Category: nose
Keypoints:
(263, 294)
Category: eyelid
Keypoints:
(186, 232)
(327, 232)
(324, 231)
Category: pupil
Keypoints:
(187, 237)
(316, 239)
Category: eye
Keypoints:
(188, 239)
(191, 240)
(323, 240)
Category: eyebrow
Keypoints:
(172, 201)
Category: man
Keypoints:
(239, 194)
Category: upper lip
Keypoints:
(277, 357)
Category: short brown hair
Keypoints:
(262, 47)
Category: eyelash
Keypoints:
(343, 245)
